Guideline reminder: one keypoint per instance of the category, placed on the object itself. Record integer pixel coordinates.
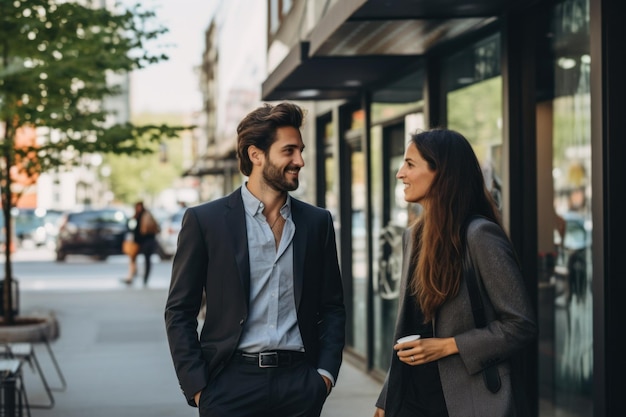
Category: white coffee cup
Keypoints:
(408, 338)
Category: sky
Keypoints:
(172, 85)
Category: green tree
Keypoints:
(56, 61)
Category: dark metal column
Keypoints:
(608, 142)
(518, 79)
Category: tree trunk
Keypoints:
(7, 197)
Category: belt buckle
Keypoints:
(268, 360)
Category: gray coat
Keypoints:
(512, 326)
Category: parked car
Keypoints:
(168, 237)
(29, 226)
(3, 233)
(52, 220)
(92, 232)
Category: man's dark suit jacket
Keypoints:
(213, 254)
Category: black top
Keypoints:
(137, 235)
(423, 396)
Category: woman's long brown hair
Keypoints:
(457, 192)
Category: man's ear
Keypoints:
(256, 155)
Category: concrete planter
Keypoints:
(33, 328)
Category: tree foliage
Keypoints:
(132, 179)
(57, 60)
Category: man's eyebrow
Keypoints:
(292, 146)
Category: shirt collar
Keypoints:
(254, 206)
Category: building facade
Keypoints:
(536, 87)
(85, 183)
(233, 67)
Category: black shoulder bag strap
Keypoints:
(490, 374)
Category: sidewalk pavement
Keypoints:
(113, 353)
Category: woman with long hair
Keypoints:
(455, 368)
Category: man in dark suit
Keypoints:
(272, 340)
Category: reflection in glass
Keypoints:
(482, 126)
(396, 112)
(387, 238)
(474, 105)
(330, 186)
(564, 212)
(359, 249)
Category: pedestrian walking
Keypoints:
(144, 234)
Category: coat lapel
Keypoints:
(299, 248)
(235, 220)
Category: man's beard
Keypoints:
(275, 178)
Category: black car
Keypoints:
(93, 232)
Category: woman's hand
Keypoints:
(379, 412)
(421, 351)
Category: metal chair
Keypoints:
(26, 353)
(13, 398)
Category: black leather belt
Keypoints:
(276, 359)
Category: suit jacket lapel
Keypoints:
(235, 219)
(299, 248)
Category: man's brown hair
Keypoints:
(258, 129)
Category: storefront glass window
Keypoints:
(330, 186)
(358, 244)
(392, 215)
(564, 212)
(474, 105)
(396, 112)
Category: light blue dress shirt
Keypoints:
(272, 320)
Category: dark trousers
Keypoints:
(245, 390)
(147, 247)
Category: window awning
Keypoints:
(360, 43)
(303, 77)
